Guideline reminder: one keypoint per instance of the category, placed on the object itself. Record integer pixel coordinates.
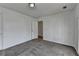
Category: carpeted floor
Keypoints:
(40, 48)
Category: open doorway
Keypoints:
(40, 30)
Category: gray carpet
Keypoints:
(40, 48)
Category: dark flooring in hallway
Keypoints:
(40, 48)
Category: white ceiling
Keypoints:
(41, 9)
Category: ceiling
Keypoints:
(41, 9)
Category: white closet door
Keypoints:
(14, 28)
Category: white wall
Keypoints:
(34, 29)
(76, 34)
(60, 28)
(0, 34)
(77, 17)
(0, 28)
(17, 28)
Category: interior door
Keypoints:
(40, 29)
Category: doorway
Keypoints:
(40, 30)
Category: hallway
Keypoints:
(40, 48)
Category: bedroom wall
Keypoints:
(60, 28)
(35, 28)
(76, 32)
(0, 28)
(77, 16)
(0, 34)
(17, 28)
